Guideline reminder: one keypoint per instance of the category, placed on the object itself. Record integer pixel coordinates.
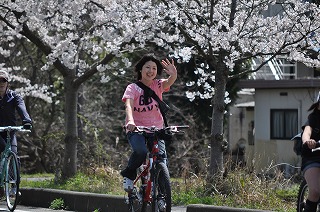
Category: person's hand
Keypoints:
(131, 126)
(27, 126)
(311, 143)
(169, 67)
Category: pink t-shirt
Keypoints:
(149, 114)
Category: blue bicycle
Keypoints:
(10, 174)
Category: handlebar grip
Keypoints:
(183, 126)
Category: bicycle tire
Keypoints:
(161, 189)
(134, 204)
(12, 181)
(136, 207)
(302, 197)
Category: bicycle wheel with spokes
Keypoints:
(12, 181)
(135, 204)
(302, 197)
(162, 189)
(136, 201)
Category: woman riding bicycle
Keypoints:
(311, 160)
(144, 112)
(10, 102)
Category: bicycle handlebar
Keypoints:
(13, 128)
(169, 129)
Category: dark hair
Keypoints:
(314, 106)
(143, 60)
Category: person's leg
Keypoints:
(14, 144)
(137, 157)
(2, 144)
(312, 176)
(2, 147)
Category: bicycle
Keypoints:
(10, 174)
(153, 179)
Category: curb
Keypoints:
(210, 208)
(75, 201)
(86, 202)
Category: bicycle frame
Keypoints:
(4, 155)
(146, 173)
(10, 175)
(152, 171)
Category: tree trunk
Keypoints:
(69, 168)
(216, 157)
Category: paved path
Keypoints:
(22, 208)
(179, 209)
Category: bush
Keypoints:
(238, 189)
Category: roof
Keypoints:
(290, 83)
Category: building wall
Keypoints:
(304, 71)
(241, 121)
(266, 152)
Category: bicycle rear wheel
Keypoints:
(162, 189)
(12, 181)
(302, 197)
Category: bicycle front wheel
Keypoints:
(302, 197)
(162, 189)
(136, 201)
(12, 181)
(135, 204)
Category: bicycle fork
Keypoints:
(148, 191)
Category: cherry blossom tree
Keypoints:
(224, 35)
(81, 38)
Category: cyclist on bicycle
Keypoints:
(144, 112)
(10, 102)
(311, 160)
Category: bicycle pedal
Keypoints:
(162, 205)
(126, 201)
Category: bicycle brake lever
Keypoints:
(316, 149)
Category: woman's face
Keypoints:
(149, 70)
(3, 85)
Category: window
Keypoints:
(284, 123)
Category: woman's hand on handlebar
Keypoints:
(131, 126)
(311, 143)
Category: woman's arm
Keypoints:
(306, 137)
(129, 115)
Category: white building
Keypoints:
(271, 111)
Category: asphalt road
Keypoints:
(22, 208)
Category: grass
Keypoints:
(57, 204)
(239, 189)
(97, 181)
